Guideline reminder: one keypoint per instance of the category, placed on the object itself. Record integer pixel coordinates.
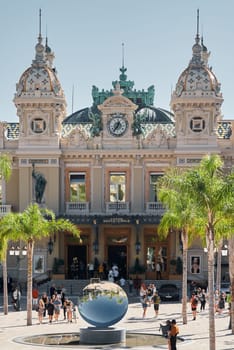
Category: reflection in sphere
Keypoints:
(103, 304)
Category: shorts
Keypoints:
(156, 307)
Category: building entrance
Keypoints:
(117, 254)
(156, 257)
(77, 261)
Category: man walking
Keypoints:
(173, 334)
(158, 271)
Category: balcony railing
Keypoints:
(4, 209)
(77, 208)
(155, 208)
(83, 208)
(117, 207)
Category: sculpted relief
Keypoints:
(157, 137)
(76, 139)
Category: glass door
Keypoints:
(156, 257)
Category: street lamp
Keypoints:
(224, 250)
(138, 243)
(96, 241)
(138, 247)
(50, 246)
(17, 250)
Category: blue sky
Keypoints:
(87, 35)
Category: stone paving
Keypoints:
(195, 333)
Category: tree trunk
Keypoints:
(5, 289)
(30, 246)
(210, 247)
(219, 266)
(231, 274)
(184, 238)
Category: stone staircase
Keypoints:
(74, 287)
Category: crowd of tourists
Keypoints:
(149, 296)
(198, 300)
(54, 306)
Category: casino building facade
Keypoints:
(102, 163)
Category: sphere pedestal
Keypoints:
(98, 336)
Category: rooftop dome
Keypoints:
(198, 78)
(40, 78)
(153, 115)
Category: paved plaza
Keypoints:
(196, 335)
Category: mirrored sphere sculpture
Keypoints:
(103, 304)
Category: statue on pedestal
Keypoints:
(39, 185)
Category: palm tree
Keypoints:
(6, 224)
(212, 193)
(31, 225)
(5, 173)
(218, 265)
(3, 258)
(179, 216)
(231, 272)
(5, 167)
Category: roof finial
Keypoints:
(122, 54)
(197, 47)
(123, 76)
(39, 23)
(39, 59)
(197, 22)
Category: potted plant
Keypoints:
(173, 266)
(179, 266)
(137, 268)
(137, 273)
(58, 268)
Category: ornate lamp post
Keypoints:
(96, 241)
(138, 243)
(20, 254)
(16, 250)
(50, 246)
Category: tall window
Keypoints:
(117, 187)
(153, 187)
(77, 187)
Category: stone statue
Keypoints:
(137, 127)
(96, 127)
(39, 185)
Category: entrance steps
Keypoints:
(75, 287)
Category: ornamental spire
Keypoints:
(196, 59)
(40, 50)
(123, 76)
(39, 37)
(122, 54)
(49, 54)
(198, 23)
(205, 54)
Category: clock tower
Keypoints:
(196, 103)
(40, 102)
(117, 119)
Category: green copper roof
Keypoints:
(146, 113)
(153, 115)
(139, 97)
(82, 116)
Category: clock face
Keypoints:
(117, 125)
